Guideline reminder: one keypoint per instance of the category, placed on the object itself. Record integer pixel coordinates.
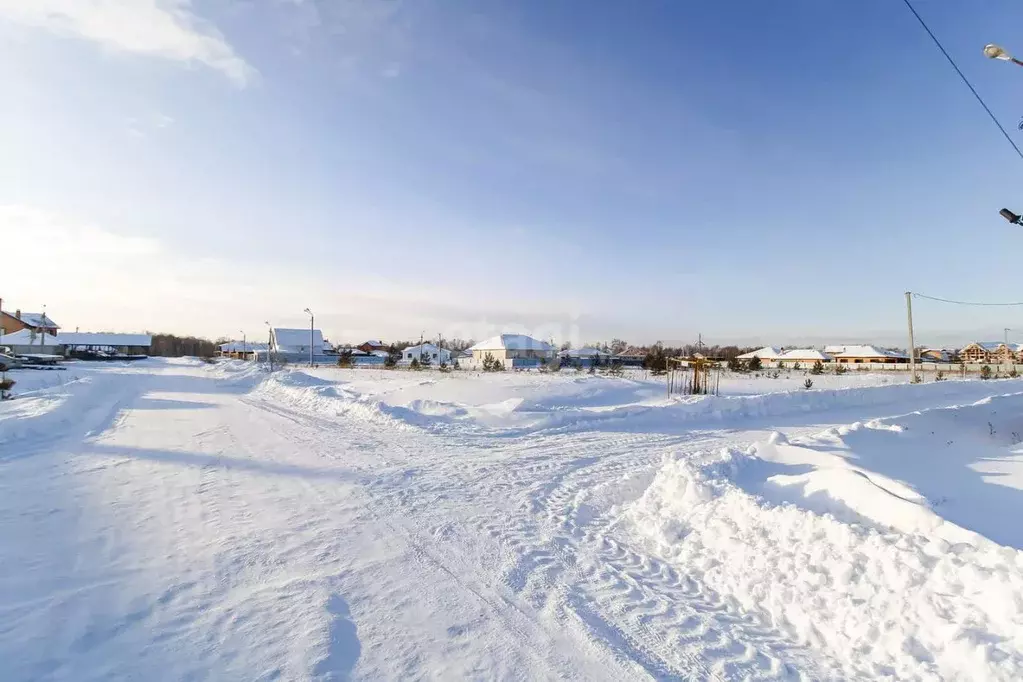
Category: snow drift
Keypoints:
(891, 545)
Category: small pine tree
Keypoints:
(393, 355)
(755, 364)
(985, 372)
(818, 368)
(940, 376)
(808, 384)
(1013, 373)
(414, 364)
(498, 366)
(489, 362)
(797, 366)
(424, 360)
(734, 365)
(840, 368)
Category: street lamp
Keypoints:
(245, 345)
(311, 324)
(1011, 217)
(992, 51)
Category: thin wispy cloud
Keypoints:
(159, 28)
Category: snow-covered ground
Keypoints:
(171, 520)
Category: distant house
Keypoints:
(584, 357)
(937, 355)
(769, 353)
(856, 354)
(513, 350)
(372, 345)
(991, 352)
(435, 355)
(631, 356)
(802, 356)
(294, 344)
(37, 322)
(30, 342)
(242, 350)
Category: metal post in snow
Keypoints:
(912, 346)
(311, 325)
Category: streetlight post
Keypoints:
(245, 345)
(311, 325)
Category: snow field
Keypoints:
(175, 520)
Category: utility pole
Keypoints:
(311, 326)
(1008, 351)
(912, 346)
(270, 345)
(245, 345)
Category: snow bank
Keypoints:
(877, 543)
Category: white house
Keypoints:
(854, 354)
(769, 353)
(513, 350)
(293, 344)
(436, 355)
(803, 356)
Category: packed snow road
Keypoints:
(172, 520)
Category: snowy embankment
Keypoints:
(891, 545)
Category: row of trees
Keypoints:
(173, 346)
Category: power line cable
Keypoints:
(948, 300)
(963, 76)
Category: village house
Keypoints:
(513, 351)
(584, 357)
(30, 342)
(991, 352)
(241, 350)
(942, 355)
(804, 357)
(765, 354)
(372, 345)
(435, 356)
(857, 354)
(16, 321)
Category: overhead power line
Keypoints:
(948, 300)
(966, 80)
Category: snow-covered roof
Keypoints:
(379, 353)
(241, 347)
(765, 353)
(373, 342)
(583, 353)
(35, 319)
(101, 339)
(986, 345)
(513, 342)
(804, 354)
(427, 348)
(297, 338)
(27, 337)
(863, 351)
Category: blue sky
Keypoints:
(753, 171)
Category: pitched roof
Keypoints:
(765, 353)
(373, 342)
(804, 354)
(241, 347)
(297, 338)
(990, 346)
(35, 319)
(513, 342)
(101, 339)
(583, 353)
(27, 337)
(863, 351)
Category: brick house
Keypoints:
(16, 321)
